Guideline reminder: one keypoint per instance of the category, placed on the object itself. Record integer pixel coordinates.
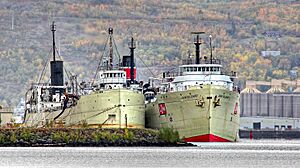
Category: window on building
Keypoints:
(256, 125)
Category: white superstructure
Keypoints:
(200, 74)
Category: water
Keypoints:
(256, 153)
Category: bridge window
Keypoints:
(203, 69)
(199, 69)
(195, 69)
(207, 69)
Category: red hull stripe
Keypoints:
(206, 138)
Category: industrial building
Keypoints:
(275, 109)
(270, 123)
(270, 104)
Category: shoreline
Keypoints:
(88, 137)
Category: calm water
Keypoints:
(256, 153)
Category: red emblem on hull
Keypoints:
(162, 109)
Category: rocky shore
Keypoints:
(75, 137)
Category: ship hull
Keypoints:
(115, 108)
(204, 114)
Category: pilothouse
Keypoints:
(201, 72)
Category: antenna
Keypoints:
(197, 42)
(211, 57)
(110, 32)
(53, 34)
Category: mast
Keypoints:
(197, 42)
(211, 57)
(53, 38)
(132, 46)
(110, 32)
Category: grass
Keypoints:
(169, 135)
(86, 136)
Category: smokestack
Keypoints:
(56, 67)
(132, 46)
(197, 43)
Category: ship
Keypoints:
(200, 101)
(112, 99)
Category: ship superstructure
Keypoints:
(112, 99)
(199, 101)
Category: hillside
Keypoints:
(240, 30)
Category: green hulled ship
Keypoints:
(200, 101)
(113, 99)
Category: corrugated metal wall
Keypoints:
(264, 107)
(255, 104)
(271, 101)
(288, 106)
(276, 104)
(296, 107)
